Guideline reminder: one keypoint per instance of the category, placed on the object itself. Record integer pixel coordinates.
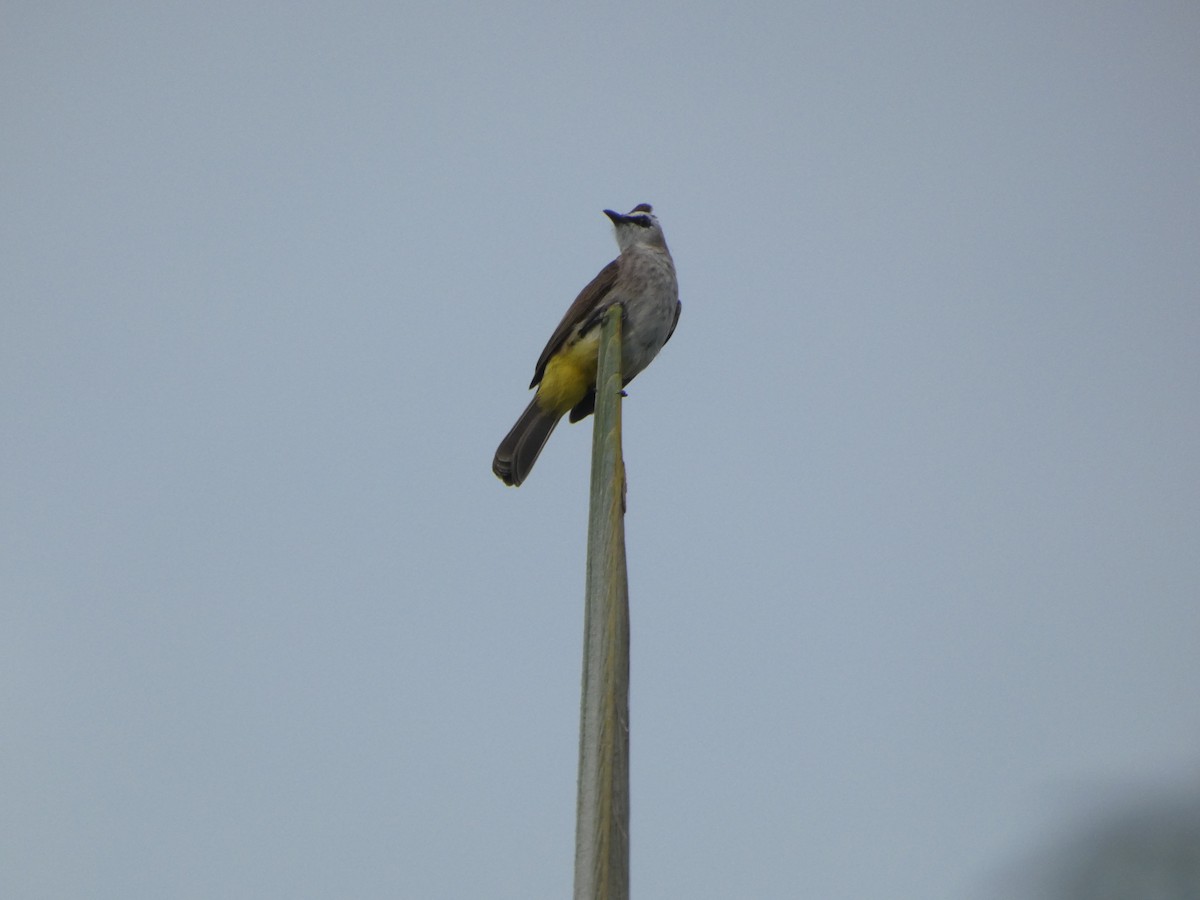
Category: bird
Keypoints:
(641, 279)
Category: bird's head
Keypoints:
(638, 226)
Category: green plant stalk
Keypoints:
(602, 810)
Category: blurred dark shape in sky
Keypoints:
(1138, 849)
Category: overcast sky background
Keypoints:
(913, 513)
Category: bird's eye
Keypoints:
(644, 221)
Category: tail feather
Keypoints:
(520, 448)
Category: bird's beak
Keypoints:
(617, 218)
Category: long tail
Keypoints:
(520, 448)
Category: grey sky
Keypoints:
(913, 507)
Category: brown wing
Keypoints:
(587, 304)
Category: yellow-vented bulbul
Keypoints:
(642, 280)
